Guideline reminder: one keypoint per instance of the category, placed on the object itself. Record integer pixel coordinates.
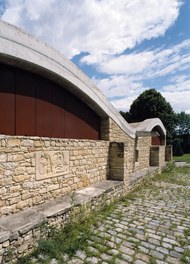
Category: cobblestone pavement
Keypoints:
(151, 226)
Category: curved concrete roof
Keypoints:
(148, 124)
(24, 51)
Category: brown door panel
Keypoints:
(7, 101)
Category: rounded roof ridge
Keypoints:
(23, 50)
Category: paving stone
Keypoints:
(111, 232)
(179, 249)
(127, 250)
(128, 244)
(53, 261)
(154, 241)
(162, 250)
(140, 236)
(151, 225)
(157, 254)
(111, 244)
(92, 260)
(105, 257)
(175, 254)
(127, 257)
(172, 260)
(142, 257)
(147, 245)
(133, 239)
(138, 261)
(166, 245)
(155, 236)
(120, 261)
(170, 241)
(113, 252)
(143, 249)
(80, 254)
(75, 261)
(93, 250)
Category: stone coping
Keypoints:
(12, 226)
(136, 176)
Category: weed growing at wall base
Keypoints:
(68, 240)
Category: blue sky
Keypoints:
(124, 46)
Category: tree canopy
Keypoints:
(182, 124)
(151, 104)
(182, 132)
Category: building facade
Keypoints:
(58, 132)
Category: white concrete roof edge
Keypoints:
(21, 46)
(149, 124)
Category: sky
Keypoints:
(124, 46)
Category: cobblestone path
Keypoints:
(151, 226)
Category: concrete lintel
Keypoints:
(146, 134)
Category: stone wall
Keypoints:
(142, 145)
(162, 159)
(157, 156)
(117, 161)
(22, 231)
(169, 153)
(34, 170)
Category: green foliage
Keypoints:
(182, 130)
(182, 125)
(68, 240)
(185, 158)
(177, 148)
(152, 260)
(186, 256)
(125, 115)
(175, 175)
(151, 104)
(170, 167)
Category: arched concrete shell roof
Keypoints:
(24, 51)
(148, 124)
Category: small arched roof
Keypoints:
(149, 125)
(20, 49)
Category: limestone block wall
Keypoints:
(162, 159)
(116, 161)
(118, 135)
(143, 151)
(157, 156)
(142, 145)
(169, 153)
(34, 170)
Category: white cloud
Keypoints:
(177, 94)
(97, 27)
(178, 100)
(124, 103)
(148, 64)
(105, 29)
(119, 86)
